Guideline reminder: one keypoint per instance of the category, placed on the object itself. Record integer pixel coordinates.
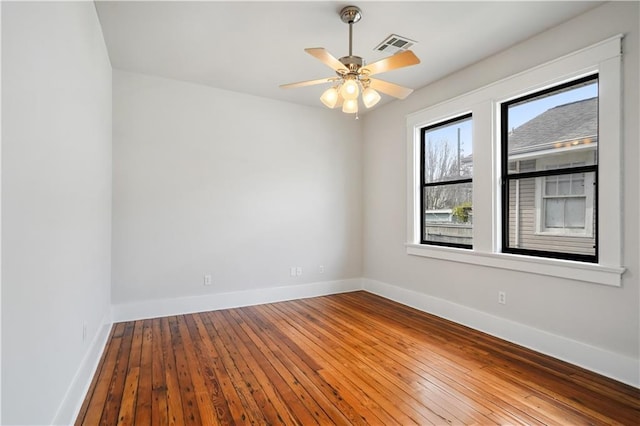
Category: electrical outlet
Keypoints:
(321, 269)
(292, 271)
(207, 279)
(502, 297)
(299, 271)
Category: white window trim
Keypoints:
(603, 58)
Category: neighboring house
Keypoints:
(555, 211)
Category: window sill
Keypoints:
(579, 271)
(564, 234)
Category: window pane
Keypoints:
(554, 213)
(557, 122)
(577, 184)
(575, 211)
(448, 151)
(448, 214)
(561, 213)
(551, 187)
(549, 224)
(564, 185)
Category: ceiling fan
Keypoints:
(353, 73)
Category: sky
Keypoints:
(518, 115)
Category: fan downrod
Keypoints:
(350, 15)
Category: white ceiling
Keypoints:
(253, 47)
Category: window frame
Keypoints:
(423, 143)
(540, 175)
(603, 58)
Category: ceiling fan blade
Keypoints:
(308, 83)
(390, 88)
(326, 58)
(399, 60)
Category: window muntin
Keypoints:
(446, 178)
(549, 168)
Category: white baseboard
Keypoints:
(73, 399)
(186, 305)
(616, 366)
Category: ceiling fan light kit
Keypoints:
(353, 76)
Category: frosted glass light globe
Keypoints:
(350, 106)
(370, 97)
(330, 97)
(350, 90)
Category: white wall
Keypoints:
(56, 202)
(602, 317)
(208, 181)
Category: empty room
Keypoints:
(322, 212)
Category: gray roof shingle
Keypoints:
(575, 120)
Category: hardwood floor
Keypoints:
(352, 358)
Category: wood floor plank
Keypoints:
(350, 358)
(458, 381)
(246, 368)
(206, 409)
(379, 408)
(364, 351)
(452, 377)
(126, 416)
(360, 371)
(206, 359)
(234, 400)
(515, 409)
(159, 407)
(190, 411)
(242, 380)
(116, 388)
(264, 330)
(145, 392)
(270, 365)
(305, 369)
(253, 359)
(93, 404)
(394, 357)
(175, 414)
(410, 366)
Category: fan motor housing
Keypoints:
(353, 63)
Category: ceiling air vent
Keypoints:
(394, 44)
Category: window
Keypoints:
(549, 160)
(550, 208)
(447, 188)
(565, 202)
